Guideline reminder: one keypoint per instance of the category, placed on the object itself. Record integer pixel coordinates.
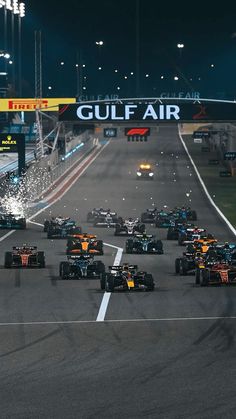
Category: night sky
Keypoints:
(69, 32)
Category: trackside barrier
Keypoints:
(41, 176)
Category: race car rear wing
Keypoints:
(24, 247)
(121, 267)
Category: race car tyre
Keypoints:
(183, 267)
(23, 225)
(46, 226)
(129, 246)
(198, 276)
(110, 284)
(103, 281)
(100, 266)
(193, 216)
(8, 260)
(142, 228)
(205, 278)
(64, 270)
(100, 246)
(50, 233)
(177, 265)
(159, 247)
(117, 230)
(41, 259)
(144, 217)
(149, 282)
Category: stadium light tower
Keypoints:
(20, 16)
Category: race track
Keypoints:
(163, 354)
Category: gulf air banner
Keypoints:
(149, 112)
(31, 104)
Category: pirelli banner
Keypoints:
(158, 112)
(31, 104)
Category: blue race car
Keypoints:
(144, 243)
(80, 267)
(61, 228)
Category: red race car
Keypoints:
(24, 257)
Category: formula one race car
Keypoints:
(149, 216)
(164, 219)
(126, 277)
(185, 213)
(145, 171)
(14, 221)
(106, 219)
(195, 258)
(144, 243)
(80, 267)
(84, 244)
(217, 274)
(24, 257)
(189, 234)
(61, 227)
(97, 212)
(175, 230)
(129, 227)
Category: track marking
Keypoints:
(69, 322)
(34, 222)
(106, 296)
(7, 235)
(204, 186)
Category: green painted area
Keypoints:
(221, 189)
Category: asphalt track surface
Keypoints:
(163, 354)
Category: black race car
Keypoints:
(126, 277)
(129, 227)
(61, 228)
(176, 229)
(97, 212)
(107, 219)
(81, 267)
(24, 257)
(149, 216)
(144, 243)
(12, 221)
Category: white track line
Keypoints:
(106, 296)
(204, 186)
(71, 322)
(7, 235)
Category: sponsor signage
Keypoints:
(230, 155)
(31, 104)
(201, 134)
(158, 112)
(9, 142)
(110, 132)
(137, 131)
(14, 143)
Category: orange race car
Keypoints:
(84, 244)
